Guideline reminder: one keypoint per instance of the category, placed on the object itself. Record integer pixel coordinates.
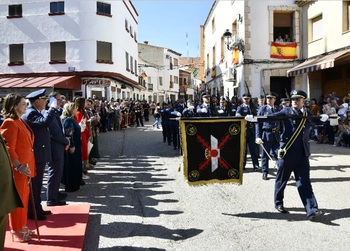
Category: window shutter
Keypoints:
(58, 51)
(16, 53)
(104, 51)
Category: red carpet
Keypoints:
(63, 230)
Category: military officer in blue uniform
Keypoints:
(267, 133)
(189, 111)
(39, 123)
(173, 114)
(244, 110)
(223, 109)
(296, 158)
(205, 109)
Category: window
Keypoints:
(346, 15)
(127, 61)
(135, 37)
(176, 62)
(16, 54)
(58, 52)
(104, 52)
(282, 26)
(176, 79)
(57, 7)
(131, 31)
(131, 64)
(171, 63)
(103, 9)
(214, 55)
(213, 25)
(316, 27)
(15, 10)
(171, 84)
(126, 25)
(160, 81)
(135, 68)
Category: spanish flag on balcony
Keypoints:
(213, 72)
(284, 50)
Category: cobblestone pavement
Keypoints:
(141, 201)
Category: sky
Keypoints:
(165, 23)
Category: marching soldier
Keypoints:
(294, 153)
(223, 109)
(189, 111)
(137, 109)
(205, 109)
(244, 110)
(267, 133)
(173, 126)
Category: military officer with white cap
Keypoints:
(39, 123)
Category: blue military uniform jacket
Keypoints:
(39, 123)
(267, 130)
(290, 124)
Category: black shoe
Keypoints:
(82, 182)
(256, 169)
(38, 217)
(46, 212)
(92, 162)
(264, 176)
(71, 189)
(52, 203)
(315, 215)
(62, 195)
(281, 209)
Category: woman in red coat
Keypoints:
(19, 140)
(81, 119)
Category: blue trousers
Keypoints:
(300, 165)
(55, 171)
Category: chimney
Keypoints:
(145, 42)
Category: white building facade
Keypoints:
(161, 68)
(93, 42)
(254, 25)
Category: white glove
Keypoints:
(250, 118)
(220, 111)
(53, 102)
(203, 110)
(191, 108)
(259, 141)
(178, 114)
(324, 117)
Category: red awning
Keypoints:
(59, 82)
(316, 64)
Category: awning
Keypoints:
(59, 82)
(316, 64)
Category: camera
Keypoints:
(281, 153)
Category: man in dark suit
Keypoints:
(39, 123)
(59, 143)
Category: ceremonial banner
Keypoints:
(213, 149)
(284, 50)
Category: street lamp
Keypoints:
(233, 42)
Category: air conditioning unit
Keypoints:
(167, 56)
(231, 75)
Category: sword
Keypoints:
(275, 166)
(33, 206)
